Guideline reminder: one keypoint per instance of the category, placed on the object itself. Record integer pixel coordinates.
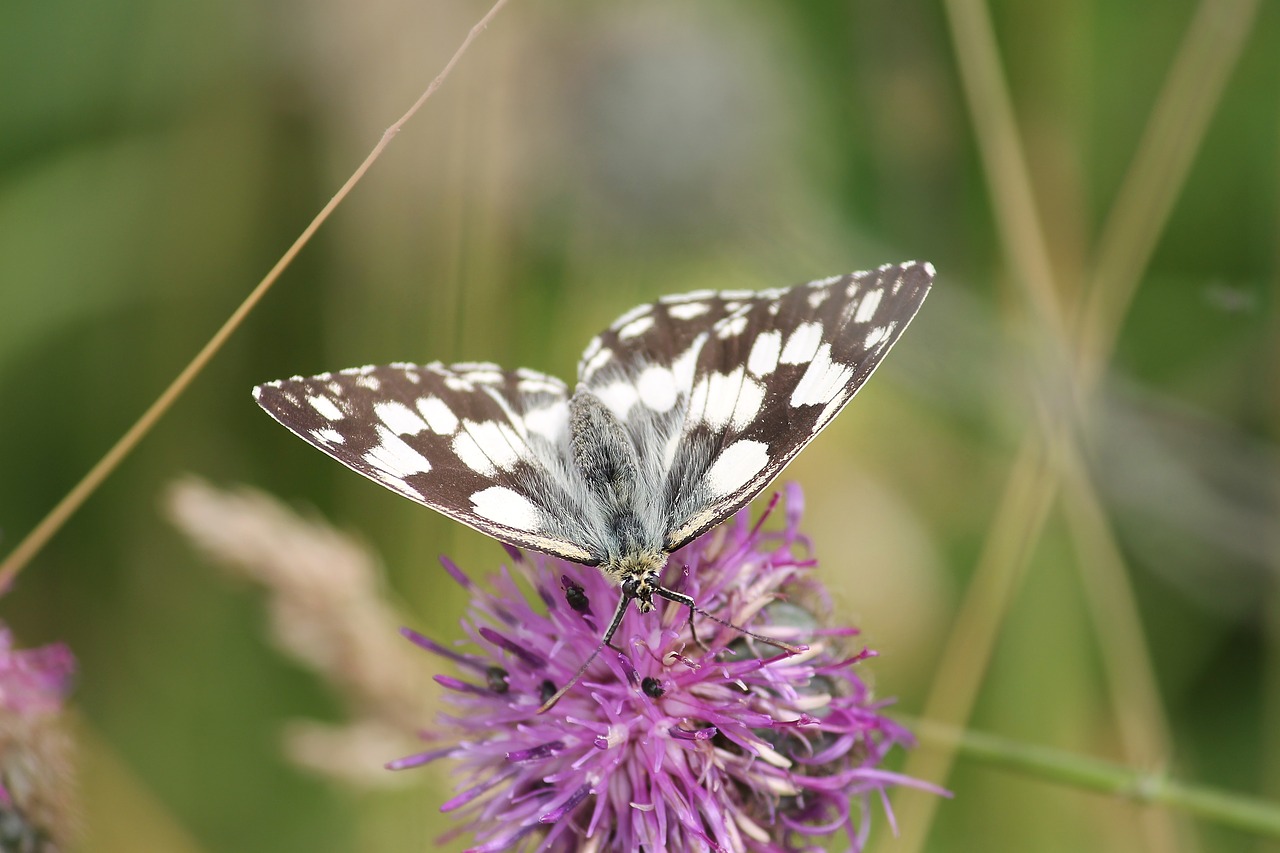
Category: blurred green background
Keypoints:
(156, 158)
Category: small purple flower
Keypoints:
(34, 681)
(35, 766)
(725, 745)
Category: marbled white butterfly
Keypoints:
(685, 409)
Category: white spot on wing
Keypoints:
(469, 452)
(764, 353)
(688, 310)
(485, 376)
(867, 307)
(750, 398)
(802, 343)
(550, 422)
(538, 385)
(399, 417)
(496, 441)
(328, 436)
(822, 381)
(597, 360)
(397, 484)
(507, 507)
(438, 415)
(635, 328)
(657, 388)
(326, 407)
(619, 397)
(877, 336)
(731, 326)
(392, 456)
(736, 465)
(716, 397)
(682, 368)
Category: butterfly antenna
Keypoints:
(623, 603)
(681, 598)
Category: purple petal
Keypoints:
(462, 686)
(456, 573)
(569, 805)
(420, 759)
(530, 659)
(537, 753)
(698, 734)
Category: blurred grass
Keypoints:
(155, 160)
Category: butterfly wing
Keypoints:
(472, 441)
(718, 391)
(769, 376)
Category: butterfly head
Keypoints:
(640, 575)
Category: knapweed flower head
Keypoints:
(35, 765)
(721, 743)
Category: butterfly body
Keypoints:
(685, 409)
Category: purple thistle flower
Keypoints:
(670, 745)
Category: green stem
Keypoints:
(1239, 811)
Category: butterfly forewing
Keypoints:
(472, 441)
(770, 376)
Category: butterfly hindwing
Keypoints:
(472, 441)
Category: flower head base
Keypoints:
(672, 743)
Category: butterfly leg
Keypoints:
(624, 602)
(686, 601)
(680, 598)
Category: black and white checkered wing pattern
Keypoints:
(657, 333)
(479, 444)
(768, 376)
(709, 396)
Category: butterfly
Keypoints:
(685, 409)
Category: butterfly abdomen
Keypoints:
(609, 462)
